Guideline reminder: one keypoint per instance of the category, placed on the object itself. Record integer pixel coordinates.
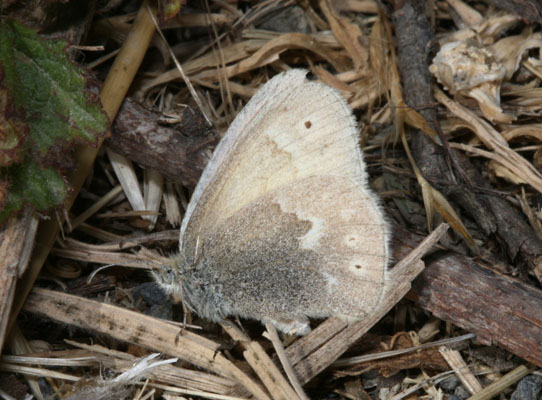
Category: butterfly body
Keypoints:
(282, 226)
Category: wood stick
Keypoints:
(16, 240)
(497, 308)
(179, 151)
(286, 364)
(497, 387)
(263, 366)
(139, 329)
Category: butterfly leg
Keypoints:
(299, 327)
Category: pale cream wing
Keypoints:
(291, 129)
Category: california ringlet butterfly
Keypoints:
(282, 225)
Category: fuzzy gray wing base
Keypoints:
(324, 254)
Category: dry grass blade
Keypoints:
(528, 130)
(263, 366)
(64, 362)
(203, 395)
(181, 71)
(122, 244)
(456, 362)
(124, 169)
(468, 14)
(393, 353)
(414, 119)
(433, 201)
(347, 33)
(407, 393)
(19, 345)
(494, 141)
(37, 372)
(134, 328)
(167, 374)
(152, 194)
(264, 55)
(232, 53)
(103, 257)
(270, 52)
(495, 388)
(75, 222)
(279, 349)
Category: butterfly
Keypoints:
(283, 226)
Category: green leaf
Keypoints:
(169, 9)
(44, 110)
(13, 131)
(29, 183)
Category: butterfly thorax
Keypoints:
(199, 291)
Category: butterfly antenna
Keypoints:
(185, 309)
(198, 252)
(197, 248)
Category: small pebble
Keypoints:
(289, 19)
(461, 393)
(151, 293)
(529, 388)
(450, 384)
(162, 311)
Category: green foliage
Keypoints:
(169, 9)
(44, 111)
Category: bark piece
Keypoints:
(180, 153)
(16, 240)
(497, 308)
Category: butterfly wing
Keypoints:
(283, 209)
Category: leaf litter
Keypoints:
(350, 50)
